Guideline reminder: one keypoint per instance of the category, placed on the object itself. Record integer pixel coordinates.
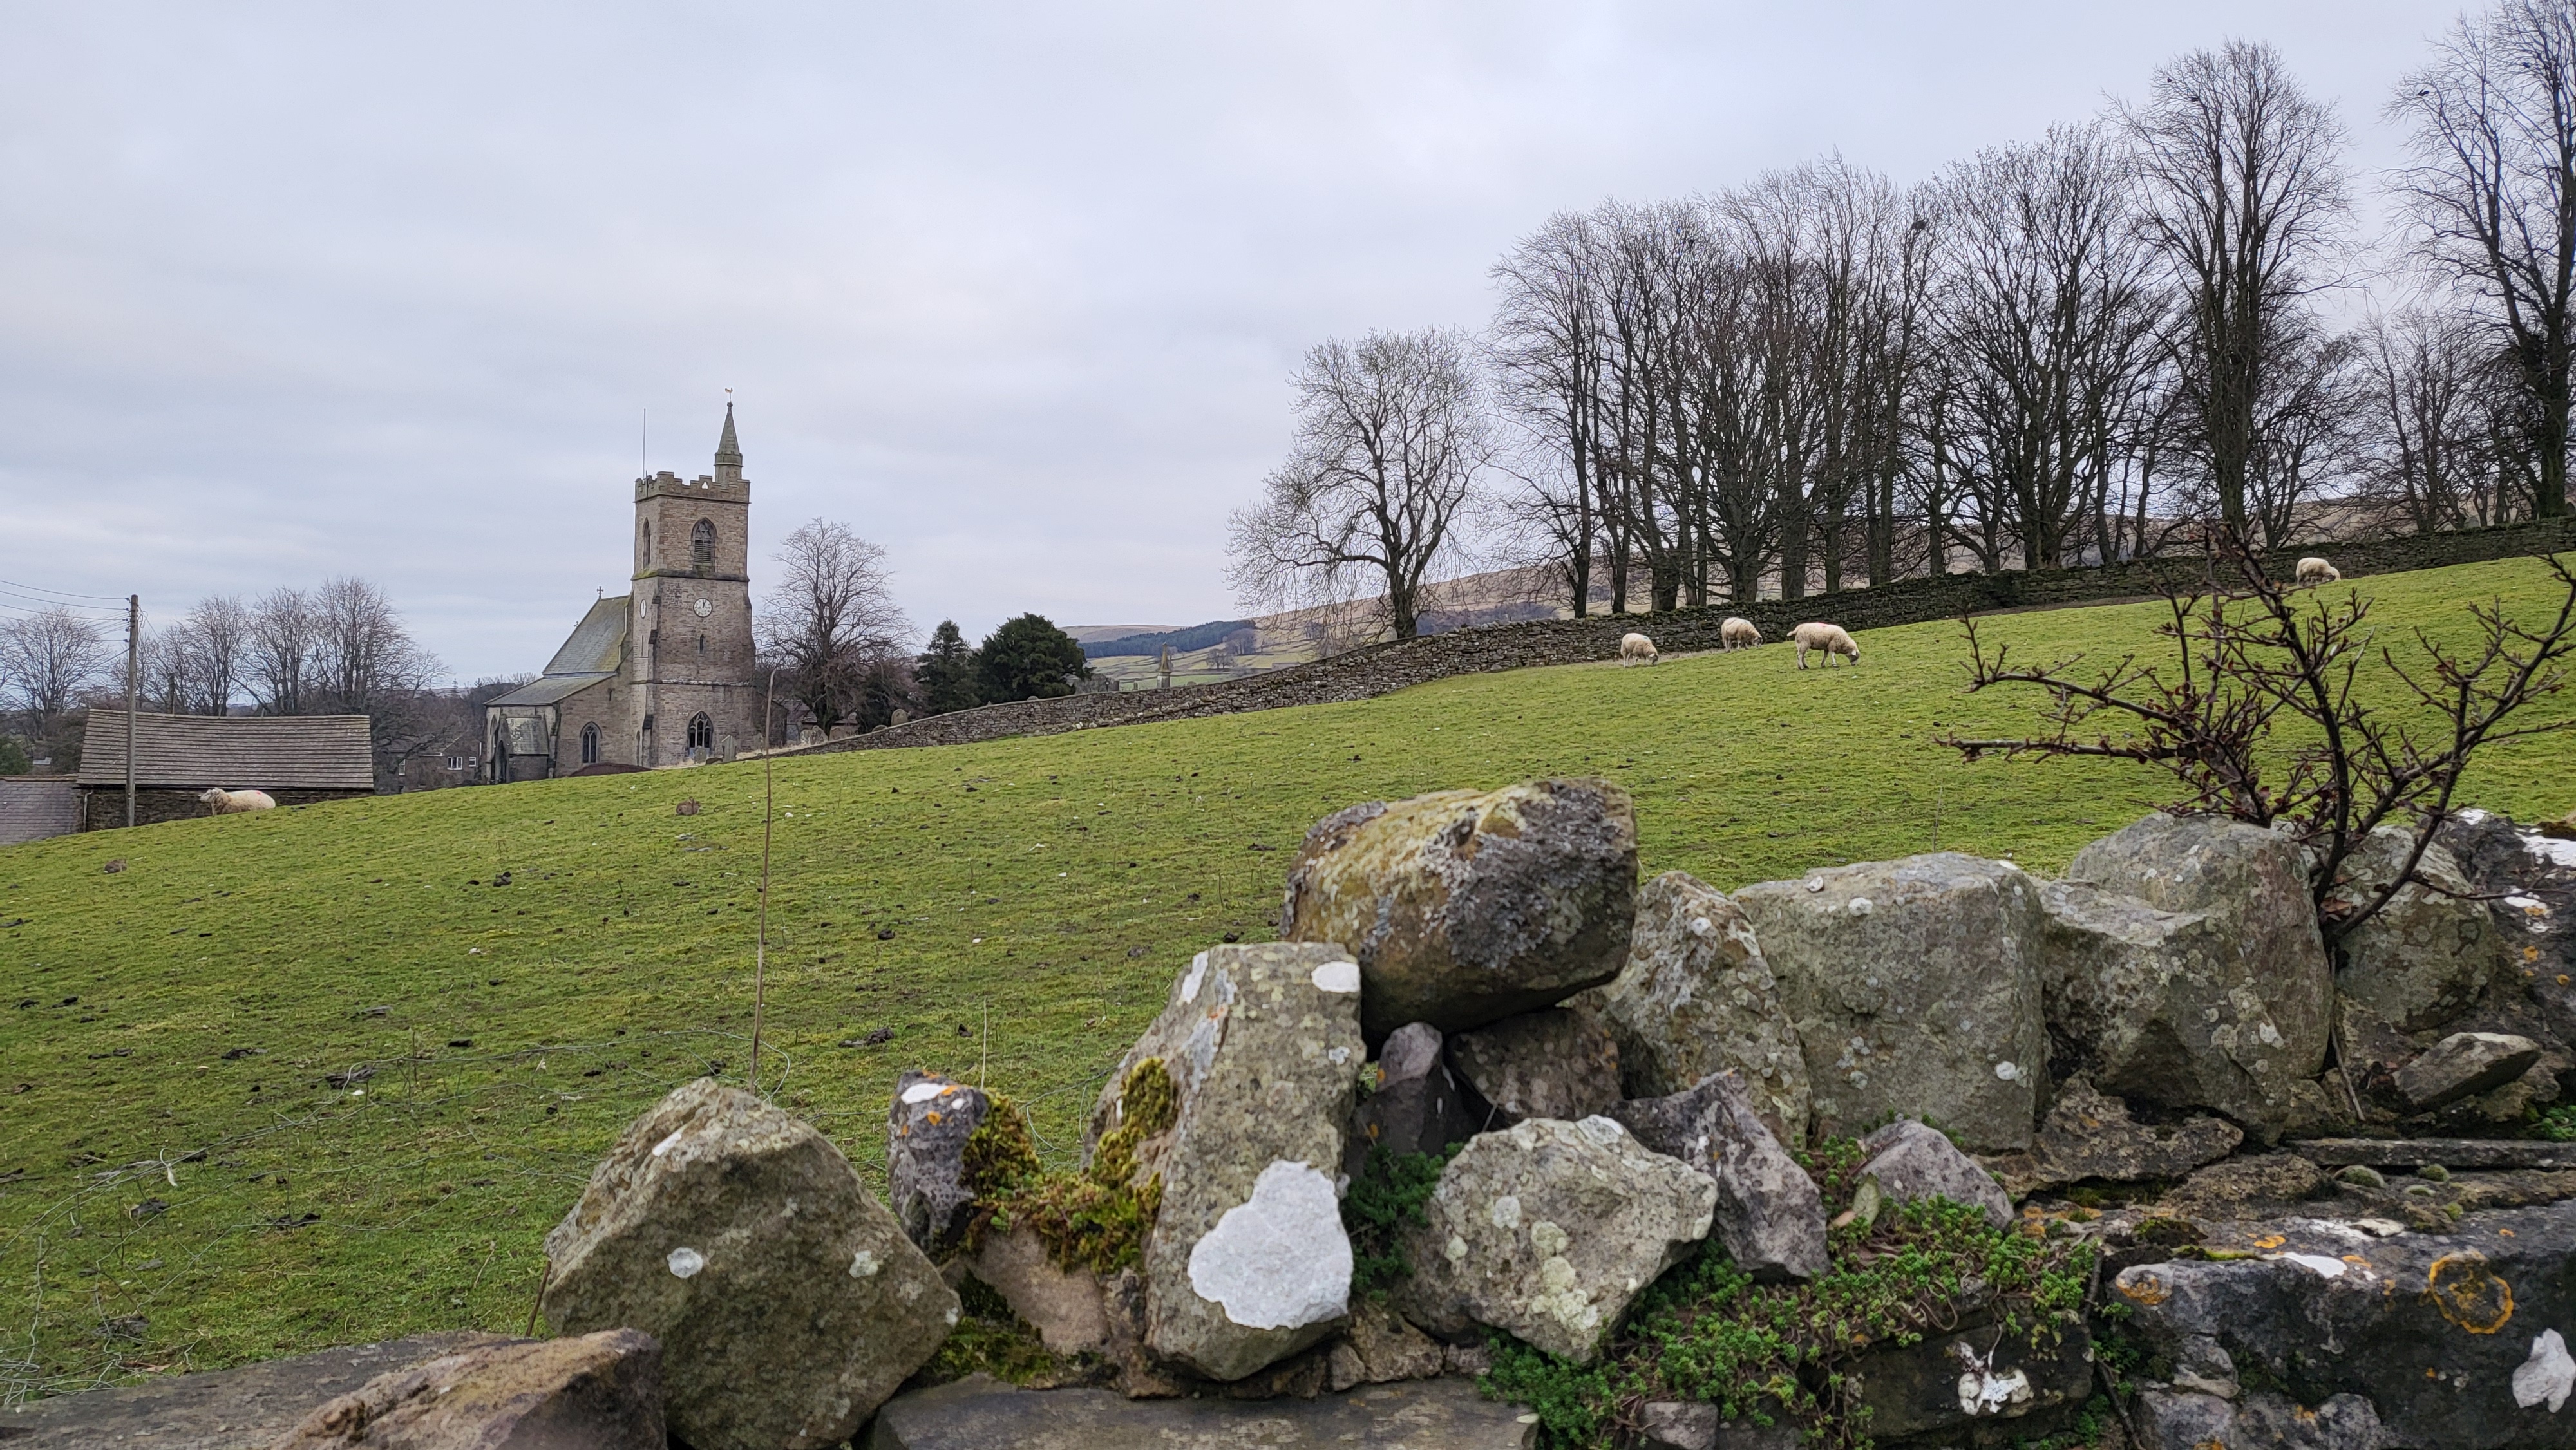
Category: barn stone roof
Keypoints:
(237, 752)
(592, 654)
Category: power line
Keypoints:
(64, 593)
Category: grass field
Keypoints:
(317, 1076)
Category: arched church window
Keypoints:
(702, 732)
(590, 745)
(646, 537)
(702, 545)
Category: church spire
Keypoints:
(728, 451)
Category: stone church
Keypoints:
(663, 675)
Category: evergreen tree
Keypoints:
(1029, 658)
(944, 677)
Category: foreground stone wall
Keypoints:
(1385, 668)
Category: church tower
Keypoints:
(689, 654)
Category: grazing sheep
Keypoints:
(1738, 633)
(222, 802)
(2313, 570)
(1636, 649)
(1827, 639)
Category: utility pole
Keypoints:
(133, 673)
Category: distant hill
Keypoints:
(1094, 633)
(1196, 636)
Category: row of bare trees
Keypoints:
(2062, 351)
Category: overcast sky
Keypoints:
(295, 290)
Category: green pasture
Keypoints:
(316, 1076)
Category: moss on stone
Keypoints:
(1095, 1219)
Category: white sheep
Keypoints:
(1738, 633)
(2313, 570)
(1827, 639)
(1636, 649)
(222, 802)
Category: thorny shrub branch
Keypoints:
(2248, 649)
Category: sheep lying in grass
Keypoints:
(1738, 633)
(1827, 639)
(1636, 649)
(2313, 570)
(222, 802)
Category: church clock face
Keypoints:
(704, 608)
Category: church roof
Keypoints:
(598, 643)
(595, 649)
(237, 752)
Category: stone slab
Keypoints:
(980, 1413)
(2449, 1152)
(249, 1408)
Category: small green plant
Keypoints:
(1386, 1198)
(1707, 1332)
(989, 1339)
(1093, 1219)
(2558, 1125)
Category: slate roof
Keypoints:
(550, 689)
(237, 752)
(592, 654)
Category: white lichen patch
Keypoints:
(2008, 1071)
(1549, 1239)
(685, 1262)
(1337, 977)
(1505, 1212)
(2317, 1264)
(864, 1265)
(1984, 1391)
(1561, 1298)
(1601, 1130)
(669, 1143)
(2550, 1374)
(1279, 1259)
(1861, 906)
(922, 1092)
(1197, 974)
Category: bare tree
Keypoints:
(284, 637)
(2245, 200)
(1546, 357)
(831, 622)
(47, 658)
(215, 637)
(2435, 424)
(1392, 439)
(365, 660)
(2491, 198)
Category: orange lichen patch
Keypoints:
(931, 1117)
(2356, 1259)
(2146, 1289)
(2506, 1232)
(2270, 1241)
(2468, 1293)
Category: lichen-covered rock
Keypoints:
(2089, 1135)
(788, 1301)
(1769, 1216)
(1464, 908)
(1548, 1230)
(926, 1132)
(2464, 1064)
(1417, 1107)
(2183, 1419)
(1913, 986)
(1551, 1063)
(2428, 955)
(597, 1391)
(1247, 1262)
(1380, 1348)
(1944, 1384)
(1908, 1161)
(2168, 1007)
(2453, 1339)
(1695, 998)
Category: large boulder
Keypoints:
(1970, 1380)
(1551, 1063)
(2089, 1135)
(2464, 1064)
(1247, 1262)
(2167, 1007)
(2216, 993)
(1913, 987)
(1463, 907)
(2452, 1340)
(1770, 1217)
(2426, 957)
(926, 1133)
(788, 1301)
(1695, 998)
(1417, 1107)
(2529, 883)
(1548, 1230)
(598, 1391)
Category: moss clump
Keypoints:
(1707, 1332)
(990, 1339)
(1095, 1219)
(1386, 1198)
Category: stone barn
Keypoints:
(297, 759)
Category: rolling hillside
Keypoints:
(328, 1074)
